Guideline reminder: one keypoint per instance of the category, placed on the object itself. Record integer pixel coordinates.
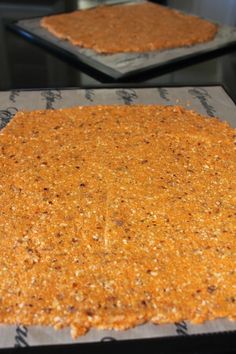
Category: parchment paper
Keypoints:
(118, 65)
(212, 101)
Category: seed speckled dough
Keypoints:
(134, 28)
(112, 216)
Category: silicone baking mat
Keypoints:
(211, 101)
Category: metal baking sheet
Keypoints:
(211, 101)
(122, 64)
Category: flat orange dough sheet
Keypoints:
(112, 216)
(130, 28)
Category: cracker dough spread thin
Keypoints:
(134, 28)
(112, 216)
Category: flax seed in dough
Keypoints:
(112, 216)
(134, 28)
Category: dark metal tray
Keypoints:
(178, 338)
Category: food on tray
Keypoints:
(130, 28)
(112, 216)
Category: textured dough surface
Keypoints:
(112, 216)
(134, 28)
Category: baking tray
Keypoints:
(121, 65)
(180, 337)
